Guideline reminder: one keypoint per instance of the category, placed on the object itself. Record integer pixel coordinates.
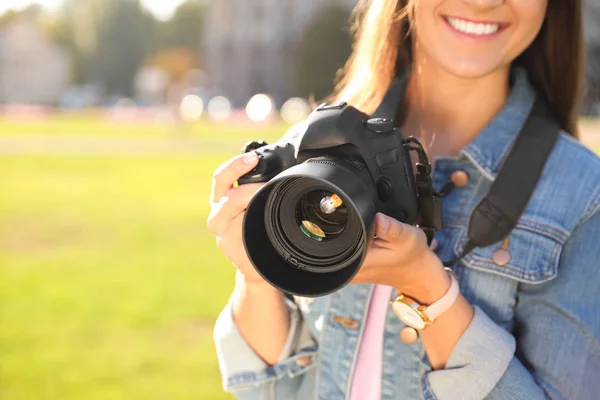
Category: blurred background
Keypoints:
(113, 116)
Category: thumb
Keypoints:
(388, 228)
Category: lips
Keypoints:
(475, 28)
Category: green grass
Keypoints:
(110, 282)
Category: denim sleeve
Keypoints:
(554, 351)
(247, 376)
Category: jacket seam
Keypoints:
(245, 381)
(591, 209)
(527, 224)
(515, 273)
(476, 158)
(360, 336)
(321, 336)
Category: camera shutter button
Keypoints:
(380, 125)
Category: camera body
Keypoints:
(307, 231)
(367, 144)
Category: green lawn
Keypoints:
(109, 280)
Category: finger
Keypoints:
(234, 202)
(232, 237)
(379, 244)
(235, 229)
(376, 256)
(388, 228)
(229, 172)
(369, 273)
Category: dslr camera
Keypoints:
(307, 231)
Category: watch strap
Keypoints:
(445, 302)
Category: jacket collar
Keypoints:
(490, 147)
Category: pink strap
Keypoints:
(443, 304)
(366, 381)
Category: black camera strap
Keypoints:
(430, 202)
(498, 212)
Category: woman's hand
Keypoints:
(400, 257)
(228, 205)
(255, 304)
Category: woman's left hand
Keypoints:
(400, 257)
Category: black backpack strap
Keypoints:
(497, 213)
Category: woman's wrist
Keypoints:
(256, 305)
(254, 287)
(427, 285)
(428, 282)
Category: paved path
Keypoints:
(35, 145)
(107, 146)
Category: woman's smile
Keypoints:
(475, 38)
(473, 29)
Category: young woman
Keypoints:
(525, 323)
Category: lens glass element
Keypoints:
(321, 215)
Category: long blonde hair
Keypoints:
(382, 48)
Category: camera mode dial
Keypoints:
(380, 125)
(253, 145)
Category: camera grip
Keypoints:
(272, 160)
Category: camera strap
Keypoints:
(498, 212)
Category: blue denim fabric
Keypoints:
(536, 330)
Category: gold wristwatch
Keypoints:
(418, 316)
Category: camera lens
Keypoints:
(308, 221)
(321, 215)
(308, 229)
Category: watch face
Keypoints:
(408, 315)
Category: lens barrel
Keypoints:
(307, 230)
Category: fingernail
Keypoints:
(250, 158)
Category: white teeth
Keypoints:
(473, 28)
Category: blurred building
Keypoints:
(591, 104)
(591, 18)
(33, 70)
(249, 44)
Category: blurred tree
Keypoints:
(176, 62)
(8, 16)
(323, 49)
(76, 30)
(109, 40)
(184, 29)
(126, 37)
(33, 10)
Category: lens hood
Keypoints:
(290, 259)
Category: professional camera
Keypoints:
(307, 231)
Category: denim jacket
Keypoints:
(536, 329)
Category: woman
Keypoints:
(526, 323)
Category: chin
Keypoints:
(472, 70)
